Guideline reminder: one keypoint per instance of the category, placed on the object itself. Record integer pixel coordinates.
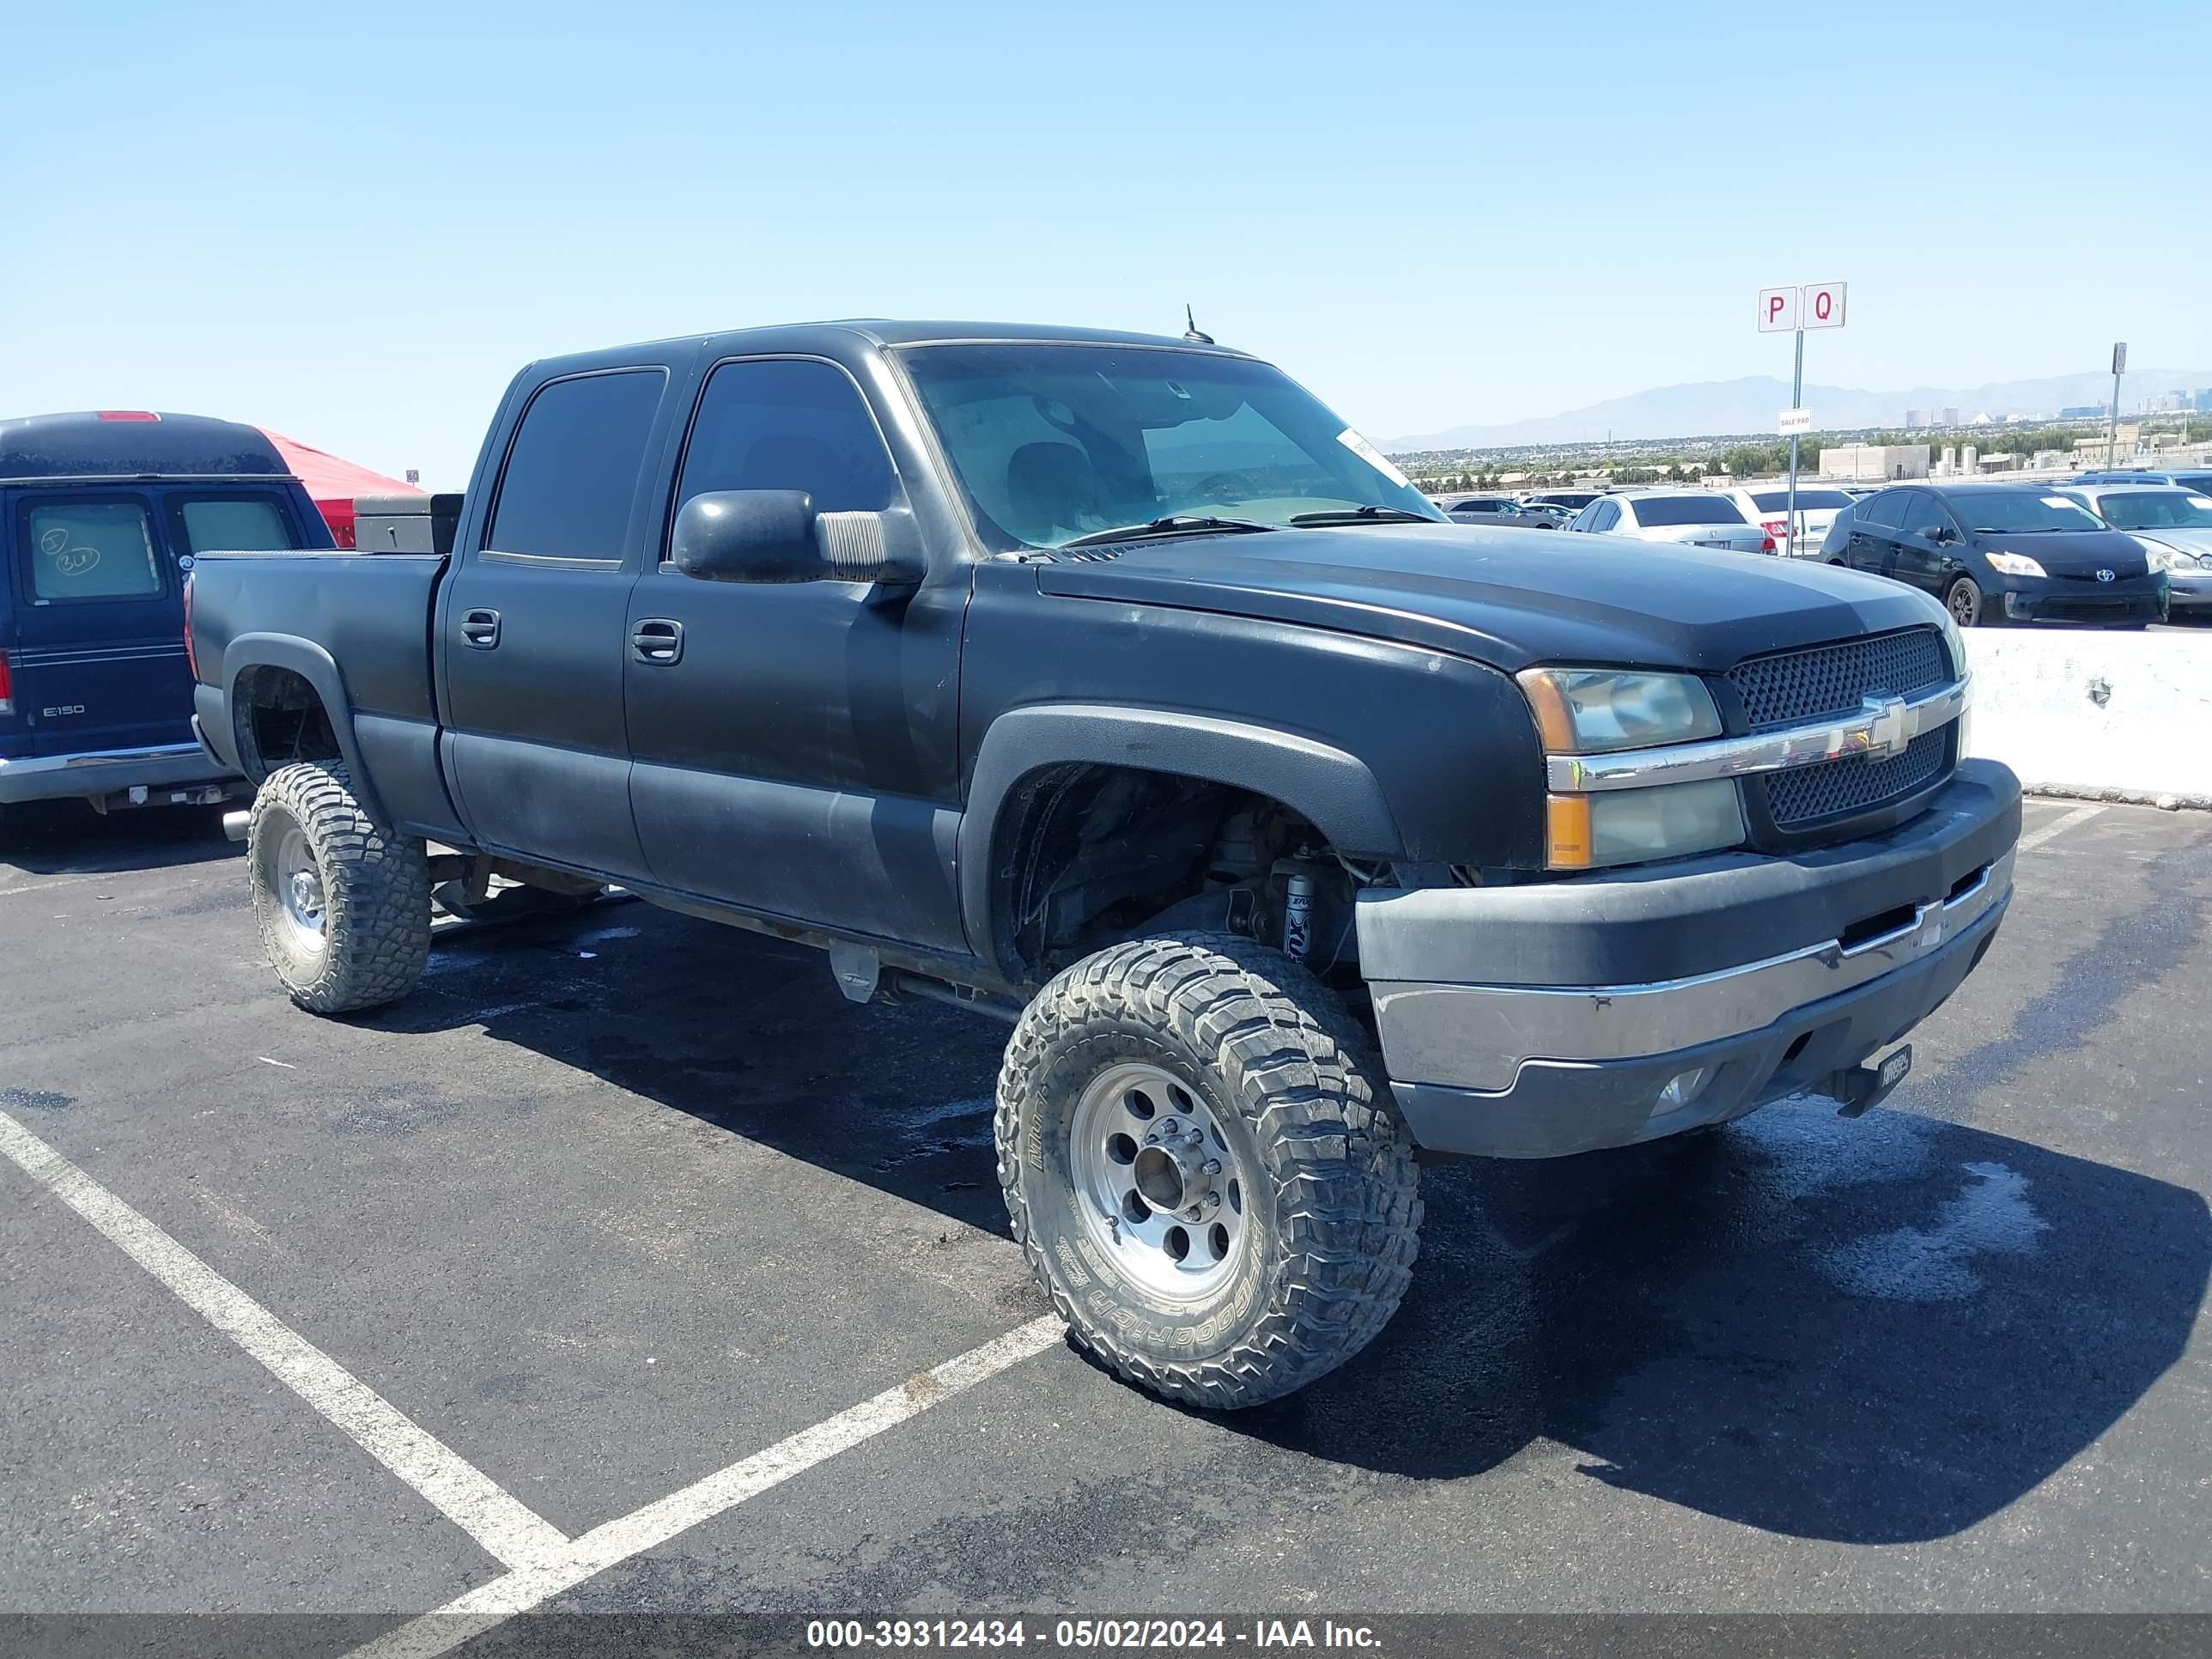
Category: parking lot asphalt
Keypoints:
(618, 1202)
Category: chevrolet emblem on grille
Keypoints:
(1889, 731)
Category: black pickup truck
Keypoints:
(1112, 684)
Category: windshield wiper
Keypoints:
(1174, 524)
(1364, 515)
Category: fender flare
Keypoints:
(1333, 790)
(321, 670)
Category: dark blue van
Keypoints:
(100, 514)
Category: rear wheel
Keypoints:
(1964, 598)
(343, 907)
(1205, 1169)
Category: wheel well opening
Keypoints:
(1087, 855)
(280, 718)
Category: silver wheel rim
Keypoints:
(1160, 1189)
(297, 881)
(1965, 604)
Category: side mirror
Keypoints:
(1935, 533)
(776, 535)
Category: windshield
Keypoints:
(1808, 500)
(2167, 509)
(1053, 441)
(1658, 510)
(2021, 511)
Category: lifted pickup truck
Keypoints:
(1113, 684)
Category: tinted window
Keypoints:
(2162, 509)
(91, 550)
(1483, 507)
(1607, 515)
(2199, 481)
(240, 526)
(1655, 510)
(1808, 500)
(2023, 511)
(1881, 511)
(573, 470)
(1921, 513)
(787, 425)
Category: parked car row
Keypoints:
(2115, 548)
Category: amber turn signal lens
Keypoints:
(1555, 723)
(1567, 832)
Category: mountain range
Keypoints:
(1713, 408)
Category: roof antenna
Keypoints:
(1190, 330)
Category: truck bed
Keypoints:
(371, 617)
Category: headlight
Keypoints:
(2171, 558)
(1590, 711)
(2015, 564)
(1630, 826)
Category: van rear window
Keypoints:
(246, 526)
(92, 550)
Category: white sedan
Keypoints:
(1690, 518)
(1767, 505)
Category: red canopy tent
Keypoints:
(334, 482)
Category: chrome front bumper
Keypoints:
(102, 773)
(1552, 1017)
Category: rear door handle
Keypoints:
(480, 629)
(657, 640)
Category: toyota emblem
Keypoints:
(2108, 576)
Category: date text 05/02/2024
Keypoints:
(1083, 1635)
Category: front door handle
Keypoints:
(658, 640)
(480, 629)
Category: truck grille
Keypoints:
(1811, 793)
(1792, 688)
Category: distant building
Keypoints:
(2000, 462)
(1950, 417)
(2204, 400)
(2083, 412)
(1875, 463)
(1917, 418)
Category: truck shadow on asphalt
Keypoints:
(65, 838)
(1871, 1332)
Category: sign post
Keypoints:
(2112, 418)
(1816, 305)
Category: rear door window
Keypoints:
(85, 550)
(571, 476)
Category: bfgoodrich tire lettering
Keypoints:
(343, 905)
(1330, 1209)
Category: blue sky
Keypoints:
(354, 224)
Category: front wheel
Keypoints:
(1965, 599)
(343, 906)
(1204, 1170)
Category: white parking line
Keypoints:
(513, 1534)
(568, 1564)
(2057, 826)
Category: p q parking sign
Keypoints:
(1814, 305)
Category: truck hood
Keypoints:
(1508, 597)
